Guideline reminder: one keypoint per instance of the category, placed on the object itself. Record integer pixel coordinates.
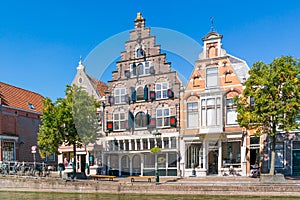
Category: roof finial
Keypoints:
(80, 60)
(212, 23)
(80, 65)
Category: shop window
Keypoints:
(194, 156)
(172, 159)
(8, 151)
(149, 160)
(231, 153)
(279, 155)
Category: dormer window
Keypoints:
(31, 106)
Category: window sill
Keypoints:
(119, 130)
(231, 125)
(161, 98)
(192, 128)
(140, 129)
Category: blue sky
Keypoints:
(41, 41)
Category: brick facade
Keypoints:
(211, 139)
(20, 112)
(142, 99)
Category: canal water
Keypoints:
(12, 195)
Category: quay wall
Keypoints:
(91, 186)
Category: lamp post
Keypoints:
(156, 150)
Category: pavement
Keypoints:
(210, 180)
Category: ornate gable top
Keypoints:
(212, 35)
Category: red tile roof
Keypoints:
(98, 85)
(20, 98)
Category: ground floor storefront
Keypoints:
(287, 154)
(213, 154)
(131, 156)
(225, 154)
(88, 159)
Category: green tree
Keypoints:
(270, 101)
(70, 121)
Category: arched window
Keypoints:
(140, 69)
(140, 52)
(212, 52)
(140, 93)
(227, 76)
(140, 120)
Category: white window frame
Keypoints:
(216, 111)
(163, 117)
(194, 113)
(146, 69)
(119, 120)
(119, 95)
(161, 90)
(230, 112)
(211, 74)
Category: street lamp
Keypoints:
(156, 150)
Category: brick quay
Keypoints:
(171, 185)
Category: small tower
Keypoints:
(139, 21)
(212, 45)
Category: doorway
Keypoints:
(296, 162)
(213, 162)
(82, 163)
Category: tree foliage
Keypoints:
(274, 89)
(70, 121)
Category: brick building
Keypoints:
(212, 141)
(142, 100)
(20, 112)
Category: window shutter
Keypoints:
(152, 123)
(133, 96)
(170, 93)
(146, 93)
(130, 120)
(127, 125)
(152, 70)
(111, 100)
(127, 73)
(134, 69)
(173, 121)
(109, 126)
(152, 95)
(127, 98)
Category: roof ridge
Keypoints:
(20, 88)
